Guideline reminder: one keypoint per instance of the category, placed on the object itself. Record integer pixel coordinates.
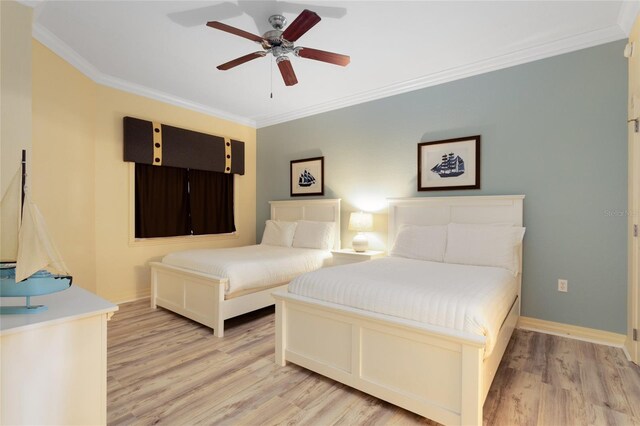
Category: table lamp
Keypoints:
(360, 222)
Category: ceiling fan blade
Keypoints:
(321, 55)
(241, 60)
(233, 30)
(303, 23)
(288, 75)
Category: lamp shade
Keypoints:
(361, 222)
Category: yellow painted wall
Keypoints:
(15, 87)
(78, 146)
(63, 160)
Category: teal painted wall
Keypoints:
(554, 130)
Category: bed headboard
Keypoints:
(443, 210)
(324, 210)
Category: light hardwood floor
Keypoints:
(166, 369)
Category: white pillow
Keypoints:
(311, 234)
(484, 245)
(279, 233)
(421, 242)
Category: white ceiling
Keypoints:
(163, 50)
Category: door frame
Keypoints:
(632, 347)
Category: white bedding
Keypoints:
(251, 267)
(474, 299)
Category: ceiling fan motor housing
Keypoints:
(273, 38)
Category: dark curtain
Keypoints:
(162, 201)
(211, 200)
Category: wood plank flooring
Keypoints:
(163, 368)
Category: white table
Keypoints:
(53, 365)
(345, 256)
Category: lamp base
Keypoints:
(360, 243)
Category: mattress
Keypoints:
(251, 267)
(474, 299)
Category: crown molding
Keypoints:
(582, 41)
(63, 50)
(628, 14)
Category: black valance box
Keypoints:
(158, 144)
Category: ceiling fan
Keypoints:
(280, 43)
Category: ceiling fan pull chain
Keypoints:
(271, 78)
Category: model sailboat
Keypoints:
(30, 263)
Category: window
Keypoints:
(172, 201)
(182, 181)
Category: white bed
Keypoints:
(241, 279)
(418, 290)
(250, 268)
(442, 368)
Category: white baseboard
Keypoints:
(135, 299)
(574, 332)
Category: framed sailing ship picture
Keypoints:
(449, 164)
(307, 176)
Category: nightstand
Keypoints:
(345, 256)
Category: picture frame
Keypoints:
(306, 177)
(449, 164)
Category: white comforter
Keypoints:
(250, 267)
(474, 299)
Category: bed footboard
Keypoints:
(201, 297)
(190, 294)
(437, 374)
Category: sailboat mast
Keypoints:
(24, 179)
